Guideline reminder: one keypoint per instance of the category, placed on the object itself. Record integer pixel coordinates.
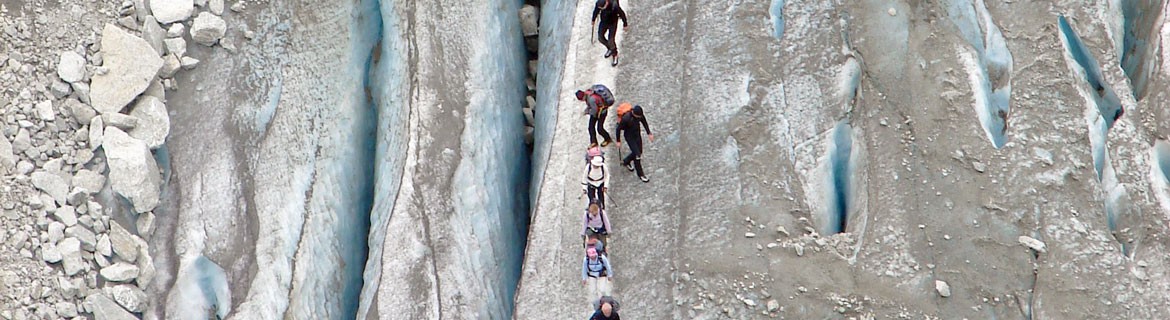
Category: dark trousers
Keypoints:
(597, 125)
(611, 30)
(635, 156)
(595, 193)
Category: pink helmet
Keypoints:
(591, 252)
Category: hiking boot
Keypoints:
(592, 145)
(644, 178)
(615, 60)
(630, 166)
(606, 143)
(608, 53)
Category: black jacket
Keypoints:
(610, 14)
(629, 123)
(598, 316)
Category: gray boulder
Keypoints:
(153, 122)
(7, 158)
(208, 29)
(52, 184)
(103, 308)
(529, 17)
(96, 132)
(133, 172)
(89, 180)
(131, 62)
(81, 233)
(120, 272)
(81, 112)
(168, 11)
(70, 249)
(125, 244)
(130, 297)
(71, 67)
(120, 121)
(154, 34)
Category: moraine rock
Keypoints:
(944, 289)
(105, 309)
(56, 231)
(96, 132)
(529, 16)
(22, 141)
(125, 244)
(120, 121)
(170, 67)
(188, 63)
(131, 62)
(168, 11)
(154, 34)
(50, 253)
(52, 184)
(176, 46)
(130, 297)
(71, 67)
(120, 272)
(87, 238)
(208, 29)
(65, 309)
(45, 110)
(60, 89)
(176, 30)
(146, 269)
(153, 122)
(7, 158)
(216, 7)
(1033, 244)
(81, 112)
(70, 249)
(89, 180)
(145, 224)
(104, 247)
(133, 172)
(66, 216)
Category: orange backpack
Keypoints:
(623, 109)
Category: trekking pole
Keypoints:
(610, 199)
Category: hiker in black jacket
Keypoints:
(629, 123)
(610, 11)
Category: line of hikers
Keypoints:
(596, 270)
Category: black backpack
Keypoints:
(602, 91)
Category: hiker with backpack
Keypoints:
(593, 241)
(596, 273)
(595, 220)
(630, 122)
(597, 99)
(609, 11)
(595, 180)
(606, 308)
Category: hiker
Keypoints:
(610, 11)
(629, 121)
(597, 99)
(595, 220)
(596, 273)
(595, 180)
(594, 241)
(606, 309)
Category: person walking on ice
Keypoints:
(595, 180)
(597, 99)
(609, 11)
(630, 122)
(595, 220)
(596, 274)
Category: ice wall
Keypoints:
(451, 212)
